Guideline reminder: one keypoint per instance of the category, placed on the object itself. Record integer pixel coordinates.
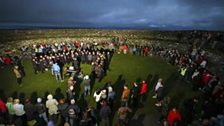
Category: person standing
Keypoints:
(11, 111)
(30, 111)
(158, 85)
(56, 70)
(135, 95)
(3, 111)
(20, 117)
(41, 110)
(143, 90)
(97, 97)
(18, 75)
(174, 117)
(125, 95)
(111, 97)
(51, 104)
(62, 107)
(87, 86)
(35, 65)
(70, 93)
(123, 114)
(159, 95)
(73, 111)
(105, 112)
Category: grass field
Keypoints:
(123, 69)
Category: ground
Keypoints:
(124, 69)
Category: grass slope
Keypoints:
(124, 69)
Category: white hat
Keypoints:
(86, 77)
(49, 97)
(71, 87)
(103, 91)
(110, 89)
(73, 101)
(39, 100)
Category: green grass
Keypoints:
(123, 69)
(130, 67)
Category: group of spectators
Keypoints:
(193, 69)
(64, 59)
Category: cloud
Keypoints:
(203, 14)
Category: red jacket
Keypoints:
(144, 88)
(206, 78)
(7, 61)
(2, 106)
(172, 116)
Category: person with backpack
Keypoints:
(41, 110)
(73, 113)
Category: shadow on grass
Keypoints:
(140, 104)
(92, 81)
(176, 100)
(14, 95)
(138, 121)
(78, 87)
(118, 88)
(170, 83)
(33, 97)
(58, 94)
(22, 97)
(82, 103)
(2, 95)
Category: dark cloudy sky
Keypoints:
(166, 14)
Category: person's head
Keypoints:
(110, 89)
(39, 100)
(160, 80)
(72, 101)
(86, 77)
(135, 84)
(16, 67)
(104, 91)
(125, 87)
(143, 81)
(174, 109)
(70, 79)
(10, 99)
(49, 97)
(71, 88)
(16, 101)
(66, 124)
(28, 101)
(62, 101)
(123, 104)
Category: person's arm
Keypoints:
(129, 110)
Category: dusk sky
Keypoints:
(165, 14)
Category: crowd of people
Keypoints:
(64, 60)
(193, 69)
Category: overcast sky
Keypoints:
(190, 14)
